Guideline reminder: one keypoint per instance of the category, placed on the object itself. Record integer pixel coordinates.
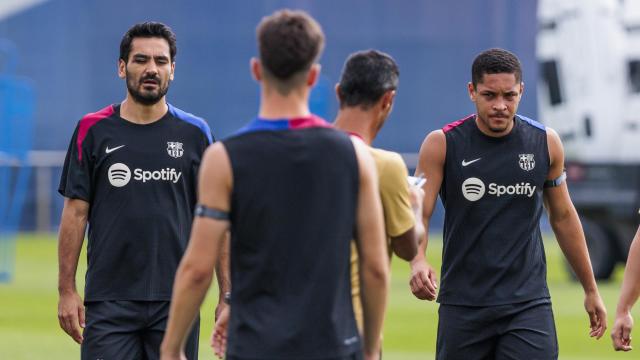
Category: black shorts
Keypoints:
(128, 330)
(515, 331)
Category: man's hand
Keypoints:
(71, 315)
(416, 196)
(219, 309)
(621, 332)
(597, 314)
(219, 336)
(423, 281)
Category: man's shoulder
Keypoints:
(392, 171)
(88, 123)
(387, 160)
(459, 124)
(532, 123)
(93, 118)
(186, 116)
(191, 119)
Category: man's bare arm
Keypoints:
(621, 331)
(372, 254)
(195, 272)
(565, 223)
(405, 246)
(70, 238)
(223, 275)
(431, 160)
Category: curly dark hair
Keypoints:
(495, 61)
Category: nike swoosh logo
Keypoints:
(465, 163)
(109, 151)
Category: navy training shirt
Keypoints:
(492, 195)
(140, 182)
(293, 215)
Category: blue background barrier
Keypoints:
(69, 49)
(16, 128)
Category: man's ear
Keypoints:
(314, 75)
(337, 89)
(472, 91)
(387, 100)
(256, 69)
(122, 69)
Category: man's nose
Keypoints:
(152, 68)
(500, 105)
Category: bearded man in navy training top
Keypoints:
(130, 175)
(494, 170)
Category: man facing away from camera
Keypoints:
(291, 190)
(366, 93)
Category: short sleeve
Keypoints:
(75, 181)
(207, 135)
(394, 193)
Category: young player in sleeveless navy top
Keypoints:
(494, 171)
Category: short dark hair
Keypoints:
(289, 42)
(367, 75)
(495, 61)
(148, 29)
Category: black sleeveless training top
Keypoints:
(492, 195)
(293, 214)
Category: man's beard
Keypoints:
(146, 97)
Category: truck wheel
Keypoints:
(602, 251)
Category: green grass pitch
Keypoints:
(29, 326)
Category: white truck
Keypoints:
(589, 91)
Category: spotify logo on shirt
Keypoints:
(120, 175)
(474, 189)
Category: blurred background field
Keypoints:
(29, 326)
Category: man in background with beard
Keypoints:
(130, 175)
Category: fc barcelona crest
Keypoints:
(526, 162)
(175, 149)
